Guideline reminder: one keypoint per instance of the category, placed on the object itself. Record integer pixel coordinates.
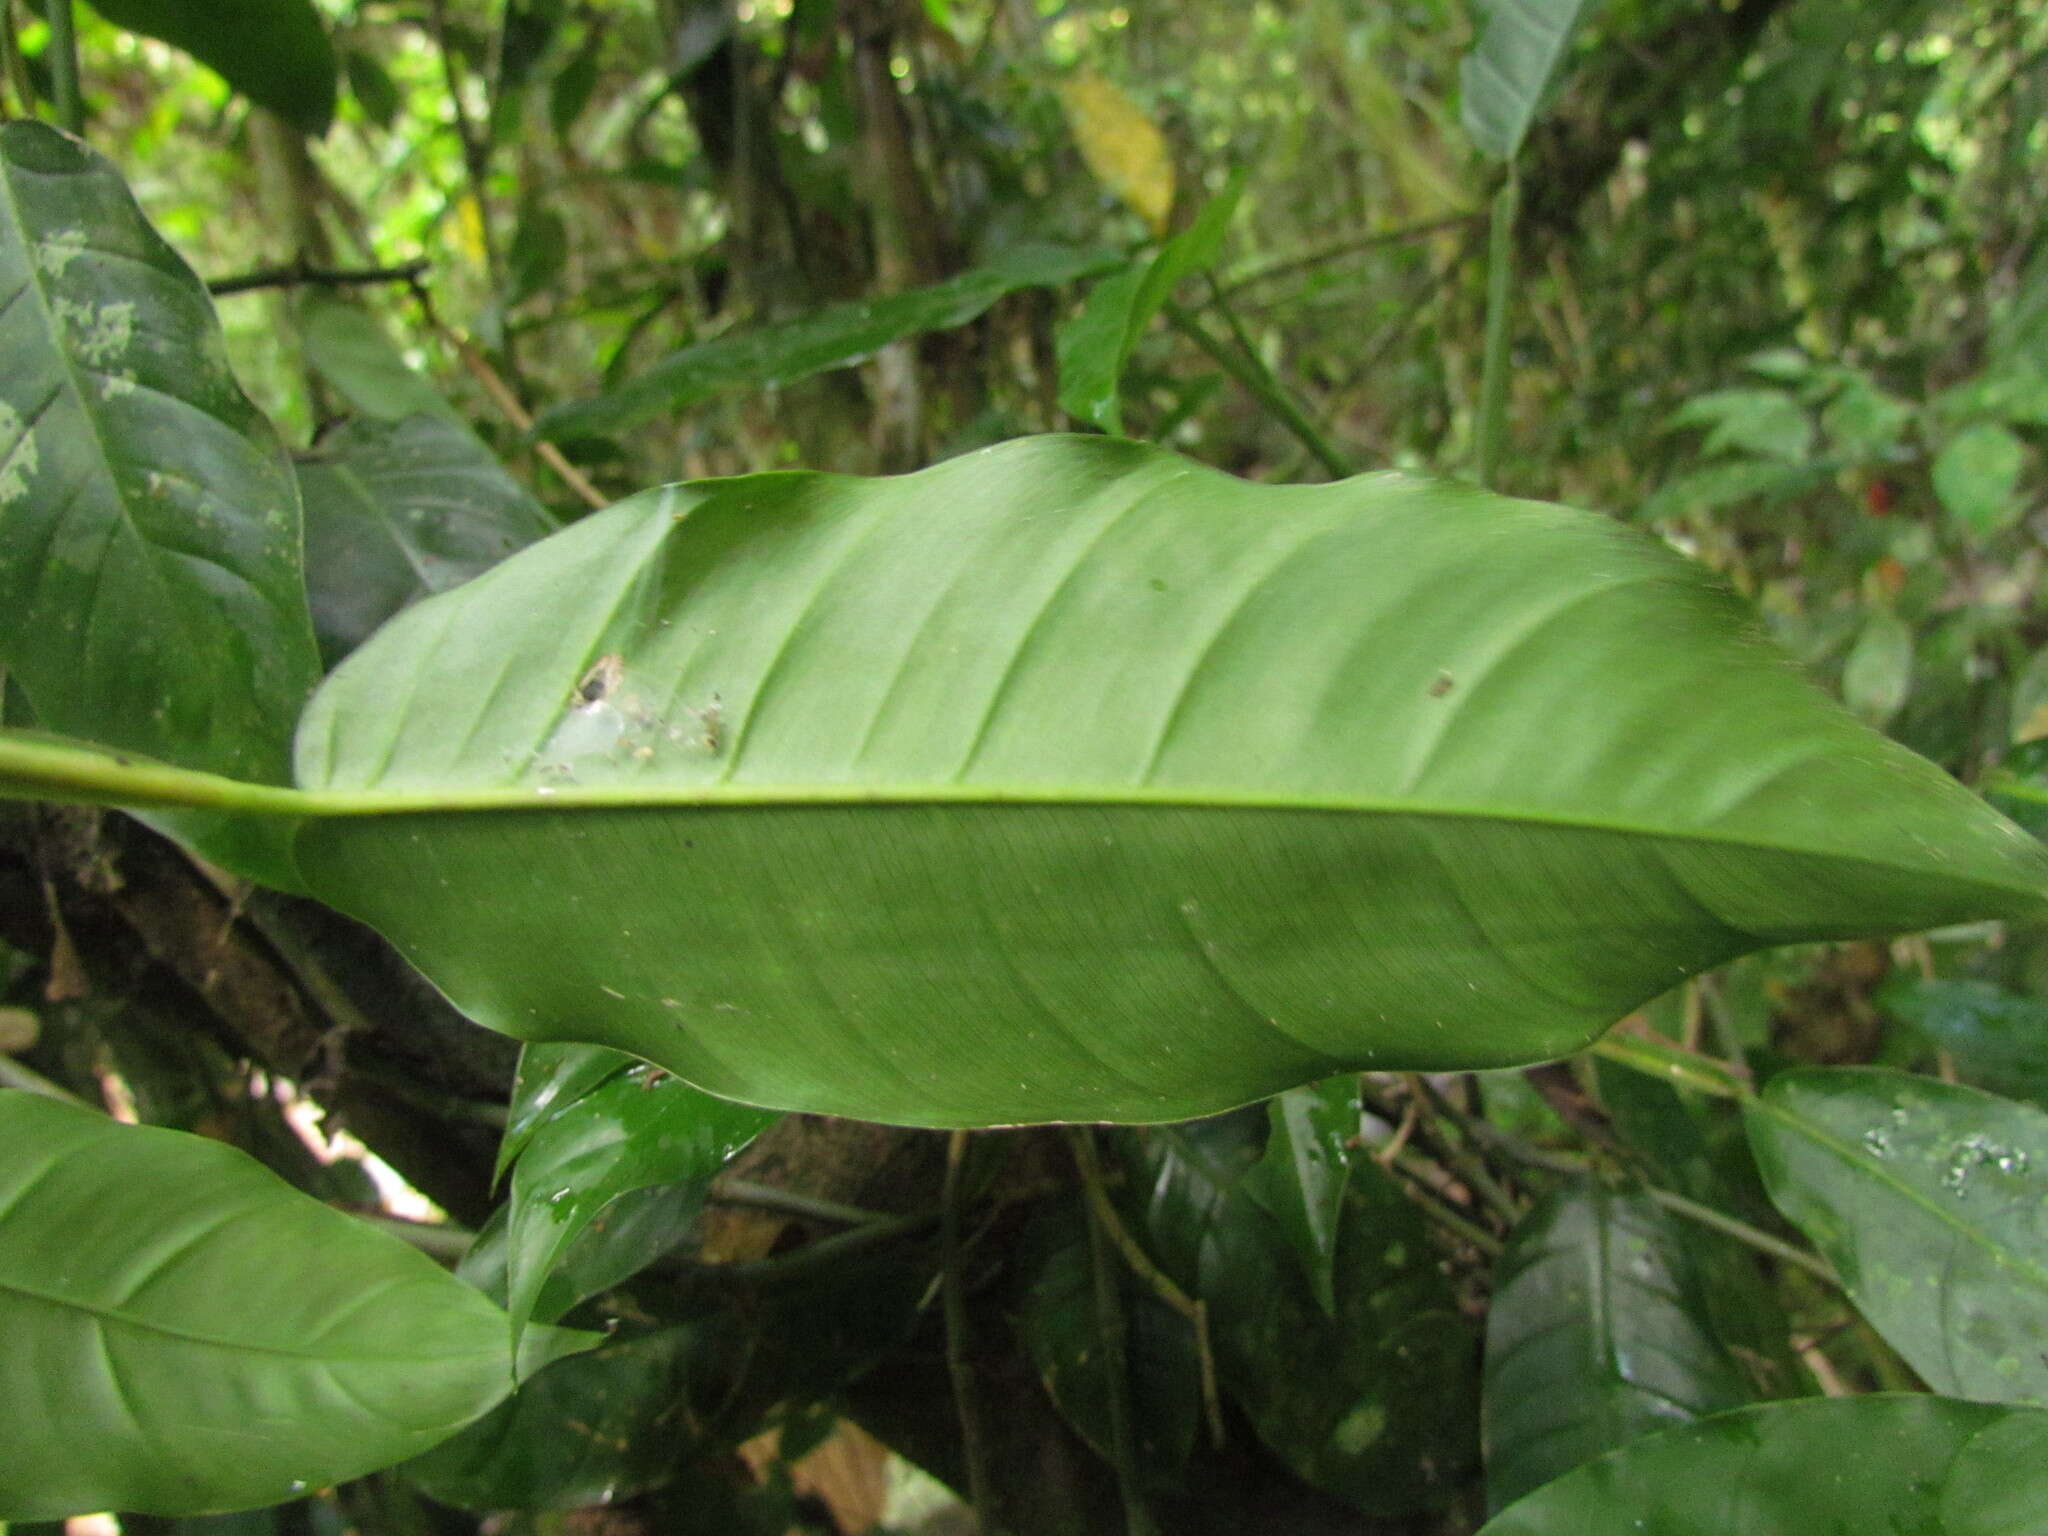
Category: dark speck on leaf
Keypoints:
(1443, 685)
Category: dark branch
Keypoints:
(299, 275)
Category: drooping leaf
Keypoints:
(1598, 1334)
(399, 509)
(587, 1430)
(372, 86)
(275, 52)
(1121, 144)
(1997, 1038)
(1302, 1176)
(836, 336)
(1927, 1199)
(540, 251)
(1508, 72)
(1879, 1463)
(150, 589)
(1977, 477)
(633, 1131)
(1095, 345)
(186, 1332)
(1373, 1403)
(766, 780)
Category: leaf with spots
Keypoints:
(1928, 1199)
(1070, 780)
(150, 588)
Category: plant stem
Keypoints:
(1250, 370)
(953, 1288)
(1500, 274)
(1672, 1064)
(1743, 1232)
(63, 56)
(1348, 246)
(445, 1243)
(299, 275)
(764, 1197)
(1420, 1190)
(14, 1075)
(1109, 1334)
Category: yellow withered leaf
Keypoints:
(1122, 145)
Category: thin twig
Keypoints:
(476, 155)
(953, 1288)
(506, 401)
(1743, 1232)
(447, 1244)
(300, 275)
(1419, 1188)
(14, 1075)
(765, 1197)
(1250, 370)
(1500, 273)
(1110, 1336)
(1350, 245)
(1468, 1166)
(1161, 1284)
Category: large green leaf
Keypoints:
(1070, 780)
(1928, 1466)
(1927, 1198)
(182, 1331)
(1372, 1402)
(275, 52)
(550, 1077)
(1598, 1333)
(150, 595)
(836, 336)
(398, 509)
(1505, 76)
(1997, 1039)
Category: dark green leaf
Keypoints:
(1059, 1328)
(766, 779)
(1094, 346)
(1977, 477)
(550, 1078)
(1373, 1404)
(1999, 1039)
(640, 1129)
(275, 52)
(373, 88)
(837, 336)
(540, 252)
(399, 509)
(1301, 1178)
(1508, 72)
(222, 1340)
(1817, 1465)
(1598, 1334)
(571, 89)
(1879, 670)
(1927, 1198)
(587, 1430)
(150, 589)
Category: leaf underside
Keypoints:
(1070, 780)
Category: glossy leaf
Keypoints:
(1927, 1199)
(1301, 1178)
(1852, 1464)
(1998, 1039)
(587, 1430)
(634, 1131)
(399, 509)
(1977, 478)
(275, 52)
(1598, 1334)
(551, 1077)
(148, 516)
(836, 336)
(1095, 345)
(1373, 1404)
(183, 1331)
(1508, 72)
(767, 780)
